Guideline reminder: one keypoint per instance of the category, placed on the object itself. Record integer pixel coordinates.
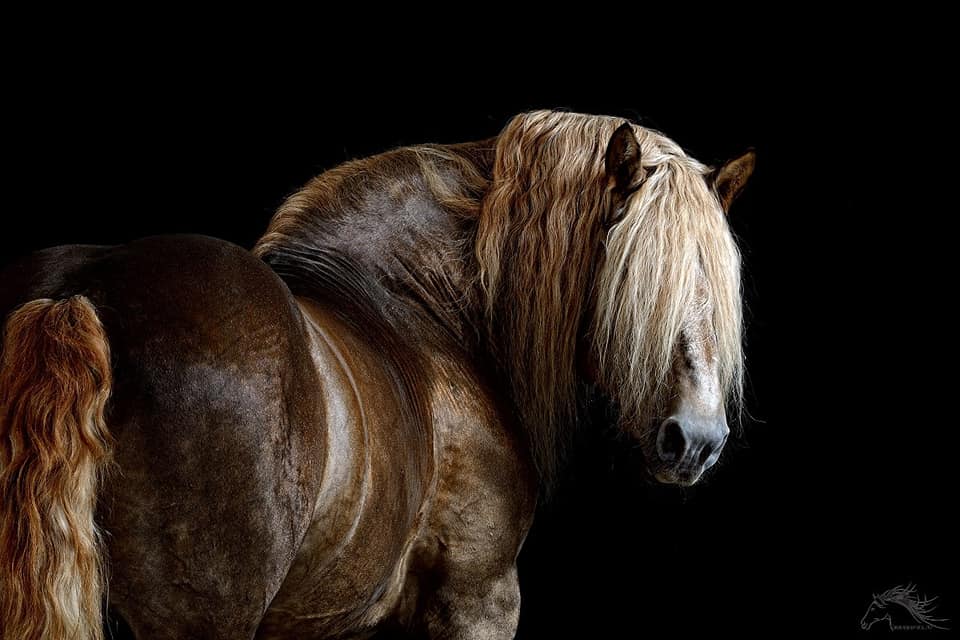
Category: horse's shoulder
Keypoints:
(483, 447)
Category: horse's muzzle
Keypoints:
(686, 447)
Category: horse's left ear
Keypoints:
(623, 157)
(732, 177)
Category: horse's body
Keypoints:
(262, 440)
(313, 440)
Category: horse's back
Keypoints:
(173, 274)
(215, 416)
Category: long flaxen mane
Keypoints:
(549, 266)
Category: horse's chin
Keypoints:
(668, 476)
(678, 478)
(660, 473)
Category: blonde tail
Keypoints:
(55, 378)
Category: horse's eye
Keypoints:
(683, 346)
(617, 215)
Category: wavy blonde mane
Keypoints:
(547, 260)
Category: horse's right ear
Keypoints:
(732, 177)
(623, 158)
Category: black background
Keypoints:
(841, 483)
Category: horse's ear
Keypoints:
(732, 177)
(623, 158)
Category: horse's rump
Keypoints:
(217, 425)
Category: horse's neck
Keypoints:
(345, 466)
(906, 615)
(426, 256)
(899, 614)
(375, 393)
(391, 247)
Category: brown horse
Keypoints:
(346, 431)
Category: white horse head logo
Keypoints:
(902, 604)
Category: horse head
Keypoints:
(667, 313)
(875, 612)
(606, 257)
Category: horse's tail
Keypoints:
(55, 378)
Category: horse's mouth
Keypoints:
(680, 477)
(666, 475)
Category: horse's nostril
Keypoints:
(705, 453)
(671, 441)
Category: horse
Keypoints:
(346, 431)
(911, 611)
